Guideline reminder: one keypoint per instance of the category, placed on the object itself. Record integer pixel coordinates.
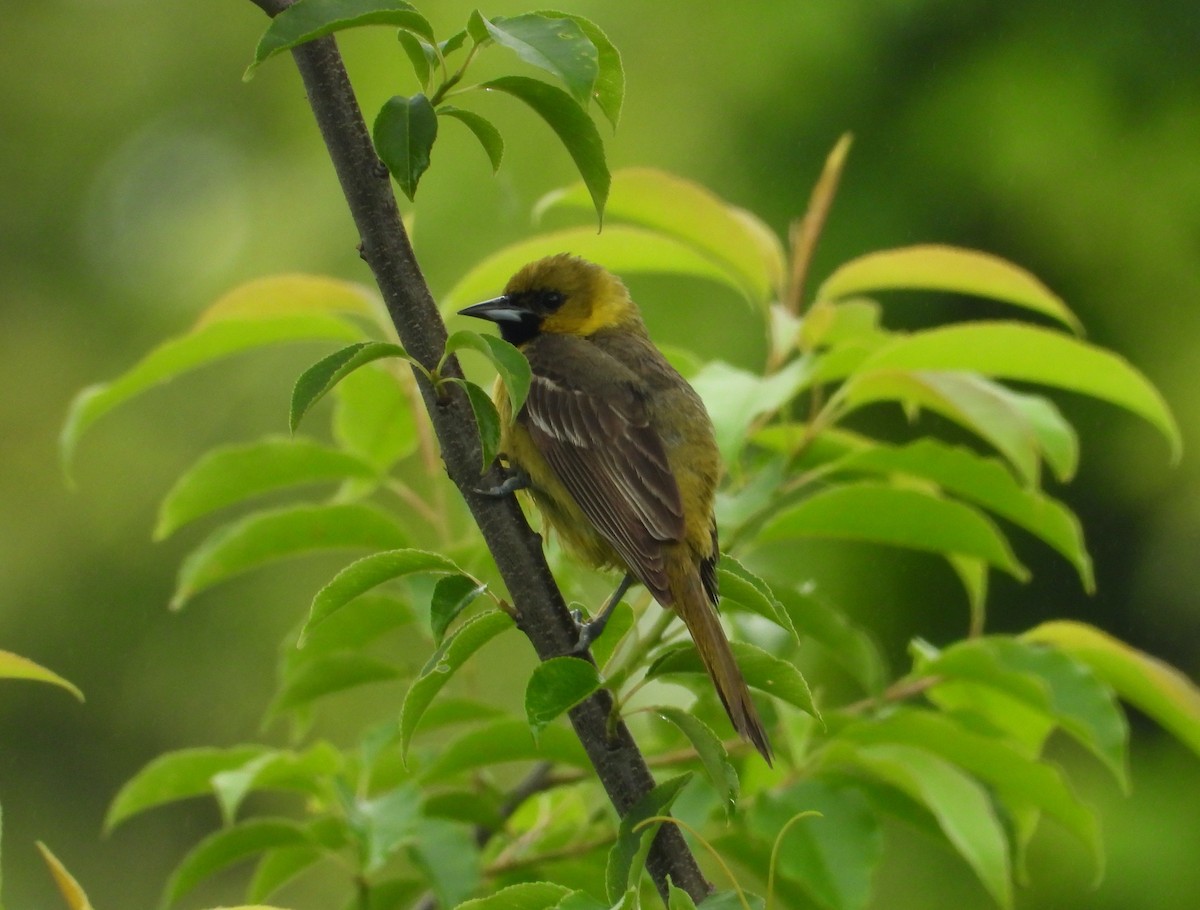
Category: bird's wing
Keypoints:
(589, 420)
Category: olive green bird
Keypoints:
(618, 453)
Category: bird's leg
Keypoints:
(515, 480)
(590, 631)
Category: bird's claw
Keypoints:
(516, 480)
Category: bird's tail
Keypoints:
(701, 619)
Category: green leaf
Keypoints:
(268, 536)
(451, 595)
(711, 752)
(509, 362)
(556, 686)
(500, 741)
(285, 770)
(624, 250)
(1047, 681)
(487, 421)
(374, 418)
(737, 398)
(678, 899)
(329, 675)
(447, 855)
(986, 483)
(622, 873)
(762, 670)
(740, 587)
(730, 237)
(370, 572)
(960, 806)
(609, 88)
(420, 54)
(323, 375)
(228, 846)
(985, 408)
(556, 45)
(946, 268)
(851, 647)
(348, 630)
(445, 662)
(404, 132)
(489, 137)
(14, 666)
(1016, 779)
(230, 474)
(1157, 689)
(385, 823)
(572, 126)
(204, 344)
(832, 855)
(525, 896)
(177, 775)
(278, 867)
(306, 20)
(1009, 350)
(898, 517)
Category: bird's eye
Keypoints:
(552, 300)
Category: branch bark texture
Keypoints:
(542, 614)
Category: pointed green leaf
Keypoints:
(14, 666)
(306, 20)
(622, 872)
(762, 670)
(737, 398)
(509, 362)
(984, 482)
(329, 675)
(445, 662)
(323, 375)
(609, 89)
(487, 421)
(711, 752)
(1009, 350)
(277, 770)
(1048, 682)
(898, 517)
(385, 823)
(177, 775)
(451, 595)
(489, 137)
(203, 345)
(624, 250)
(420, 54)
(571, 124)
(448, 857)
(348, 630)
(1157, 689)
(228, 846)
(740, 587)
(500, 741)
(230, 474)
(525, 896)
(556, 45)
(374, 418)
(1016, 779)
(688, 212)
(370, 572)
(678, 899)
(280, 866)
(404, 132)
(847, 644)
(960, 806)
(946, 268)
(556, 686)
(265, 537)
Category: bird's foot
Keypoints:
(516, 480)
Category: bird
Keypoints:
(618, 453)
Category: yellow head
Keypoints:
(562, 295)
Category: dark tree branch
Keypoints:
(517, 550)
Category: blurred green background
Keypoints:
(140, 178)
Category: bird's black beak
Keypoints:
(517, 324)
(498, 309)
